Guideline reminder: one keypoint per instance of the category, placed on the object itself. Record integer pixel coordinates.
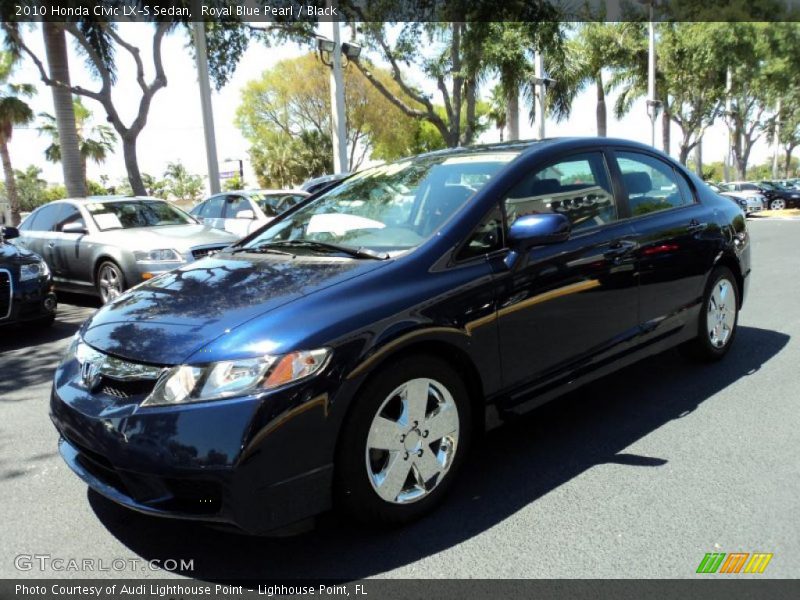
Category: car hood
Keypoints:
(11, 254)
(165, 320)
(179, 237)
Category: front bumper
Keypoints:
(30, 301)
(244, 462)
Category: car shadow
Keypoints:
(512, 467)
(29, 354)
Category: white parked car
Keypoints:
(747, 195)
(242, 212)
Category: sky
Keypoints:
(174, 130)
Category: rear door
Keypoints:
(40, 238)
(676, 237)
(71, 258)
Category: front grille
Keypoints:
(6, 292)
(126, 389)
(198, 253)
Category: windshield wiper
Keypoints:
(360, 252)
(260, 249)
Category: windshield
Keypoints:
(136, 213)
(391, 208)
(768, 186)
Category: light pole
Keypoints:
(199, 32)
(653, 105)
(541, 82)
(335, 54)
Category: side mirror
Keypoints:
(538, 230)
(8, 233)
(78, 228)
(246, 214)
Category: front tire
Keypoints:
(110, 281)
(403, 442)
(719, 318)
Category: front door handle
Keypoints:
(51, 245)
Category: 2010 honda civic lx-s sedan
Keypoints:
(349, 352)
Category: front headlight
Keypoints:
(165, 255)
(230, 378)
(30, 271)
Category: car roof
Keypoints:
(117, 198)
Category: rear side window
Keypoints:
(46, 217)
(576, 186)
(652, 184)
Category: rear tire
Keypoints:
(719, 318)
(403, 442)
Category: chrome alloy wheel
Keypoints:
(412, 441)
(721, 315)
(110, 282)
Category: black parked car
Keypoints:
(26, 286)
(348, 353)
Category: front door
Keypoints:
(568, 305)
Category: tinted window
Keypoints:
(487, 236)
(46, 217)
(212, 209)
(234, 204)
(69, 214)
(577, 187)
(652, 184)
(748, 187)
(274, 204)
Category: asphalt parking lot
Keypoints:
(637, 475)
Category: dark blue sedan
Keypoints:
(348, 353)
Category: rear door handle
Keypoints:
(619, 248)
(695, 226)
(51, 245)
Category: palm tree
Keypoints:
(498, 109)
(55, 43)
(13, 111)
(94, 143)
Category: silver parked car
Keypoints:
(241, 213)
(104, 245)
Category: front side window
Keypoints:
(70, 214)
(233, 204)
(652, 184)
(577, 187)
(390, 208)
(131, 214)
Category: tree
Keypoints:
(182, 185)
(13, 111)
(293, 98)
(597, 46)
(94, 142)
(498, 111)
(694, 69)
(98, 41)
(55, 43)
